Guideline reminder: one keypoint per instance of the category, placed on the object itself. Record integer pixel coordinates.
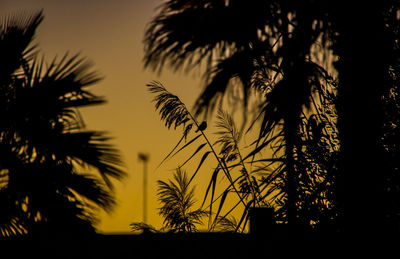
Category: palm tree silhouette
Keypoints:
(270, 45)
(367, 43)
(48, 160)
(269, 49)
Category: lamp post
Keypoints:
(144, 158)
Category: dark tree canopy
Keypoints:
(328, 72)
(49, 164)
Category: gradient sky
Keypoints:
(109, 33)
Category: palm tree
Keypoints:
(188, 33)
(49, 161)
(263, 184)
(268, 49)
(367, 44)
(271, 47)
(177, 199)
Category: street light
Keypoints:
(144, 158)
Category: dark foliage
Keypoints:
(47, 158)
(316, 62)
(275, 49)
(177, 200)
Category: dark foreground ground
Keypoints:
(202, 245)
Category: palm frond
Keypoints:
(11, 223)
(191, 32)
(46, 153)
(48, 100)
(62, 84)
(90, 188)
(238, 65)
(16, 35)
(92, 149)
(174, 35)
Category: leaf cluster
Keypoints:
(265, 183)
(50, 165)
(177, 199)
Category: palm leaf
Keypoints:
(90, 188)
(16, 35)
(220, 77)
(43, 144)
(186, 34)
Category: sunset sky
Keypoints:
(109, 33)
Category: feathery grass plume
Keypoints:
(267, 191)
(229, 140)
(229, 136)
(177, 199)
(172, 110)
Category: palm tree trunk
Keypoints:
(291, 174)
(296, 77)
(361, 72)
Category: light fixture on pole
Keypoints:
(144, 158)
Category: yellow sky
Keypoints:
(110, 33)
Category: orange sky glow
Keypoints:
(109, 33)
